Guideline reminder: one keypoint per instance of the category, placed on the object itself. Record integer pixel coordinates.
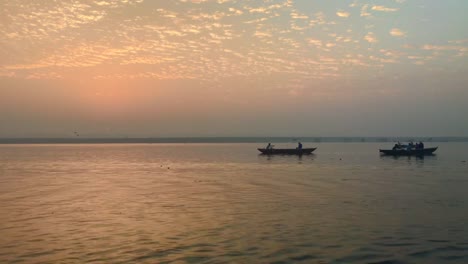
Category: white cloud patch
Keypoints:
(370, 37)
(343, 14)
(397, 32)
(384, 9)
(364, 11)
(461, 51)
(204, 40)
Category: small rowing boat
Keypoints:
(405, 152)
(304, 151)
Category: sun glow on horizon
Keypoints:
(208, 61)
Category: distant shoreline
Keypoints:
(80, 140)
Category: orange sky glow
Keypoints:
(233, 68)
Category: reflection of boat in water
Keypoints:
(405, 152)
(304, 151)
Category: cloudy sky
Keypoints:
(233, 68)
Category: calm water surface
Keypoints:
(223, 203)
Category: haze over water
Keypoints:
(218, 203)
(142, 68)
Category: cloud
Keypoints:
(444, 47)
(262, 34)
(259, 10)
(194, 1)
(384, 9)
(370, 37)
(342, 14)
(397, 32)
(364, 11)
(461, 50)
(315, 42)
(236, 11)
(296, 15)
(206, 40)
(46, 75)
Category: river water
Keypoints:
(224, 203)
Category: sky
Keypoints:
(160, 68)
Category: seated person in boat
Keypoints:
(397, 146)
(410, 146)
(269, 146)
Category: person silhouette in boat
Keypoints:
(420, 145)
(269, 146)
(410, 146)
(397, 146)
(299, 145)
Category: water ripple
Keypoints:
(191, 204)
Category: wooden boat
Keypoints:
(405, 152)
(304, 151)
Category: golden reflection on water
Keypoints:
(226, 203)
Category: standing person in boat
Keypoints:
(299, 145)
(421, 145)
(269, 146)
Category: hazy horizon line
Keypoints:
(226, 139)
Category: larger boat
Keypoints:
(275, 151)
(405, 152)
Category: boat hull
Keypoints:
(404, 152)
(304, 151)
